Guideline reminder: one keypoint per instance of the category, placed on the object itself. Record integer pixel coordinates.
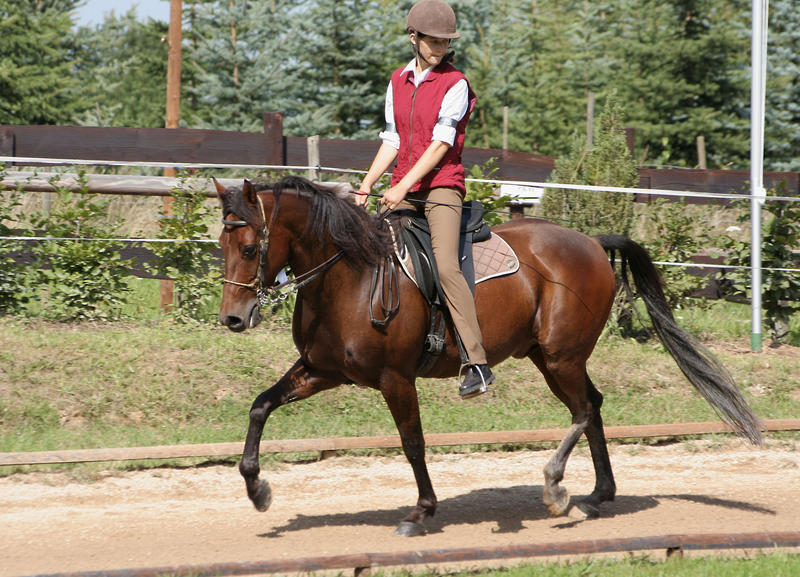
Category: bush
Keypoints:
(676, 237)
(79, 279)
(780, 287)
(484, 192)
(190, 264)
(13, 293)
(607, 163)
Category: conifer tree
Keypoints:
(337, 64)
(236, 57)
(607, 163)
(782, 139)
(36, 44)
(122, 65)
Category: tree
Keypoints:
(338, 65)
(679, 68)
(607, 163)
(238, 56)
(122, 63)
(36, 81)
(782, 142)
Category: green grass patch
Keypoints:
(71, 386)
(761, 565)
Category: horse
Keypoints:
(553, 311)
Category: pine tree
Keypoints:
(607, 163)
(678, 67)
(337, 64)
(122, 63)
(782, 138)
(236, 58)
(36, 43)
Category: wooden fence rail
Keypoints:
(272, 147)
(380, 442)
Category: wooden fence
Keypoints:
(271, 147)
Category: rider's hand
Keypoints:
(394, 196)
(362, 195)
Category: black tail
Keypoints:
(700, 366)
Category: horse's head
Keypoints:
(253, 256)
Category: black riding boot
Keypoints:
(476, 381)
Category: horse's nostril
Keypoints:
(234, 323)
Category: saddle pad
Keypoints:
(492, 258)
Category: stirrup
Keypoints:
(473, 386)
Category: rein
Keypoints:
(274, 295)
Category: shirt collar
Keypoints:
(411, 68)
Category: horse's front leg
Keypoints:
(298, 383)
(401, 397)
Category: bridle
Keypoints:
(273, 295)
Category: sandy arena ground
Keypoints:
(50, 522)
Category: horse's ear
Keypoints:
(249, 192)
(219, 187)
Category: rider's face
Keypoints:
(431, 50)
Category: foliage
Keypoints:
(36, 41)
(677, 237)
(189, 263)
(484, 192)
(607, 163)
(782, 130)
(122, 67)
(85, 278)
(680, 69)
(12, 287)
(780, 287)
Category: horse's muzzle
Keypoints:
(238, 324)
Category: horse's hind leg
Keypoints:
(297, 384)
(605, 488)
(570, 383)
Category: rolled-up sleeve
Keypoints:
(389, 135)
(454, 107)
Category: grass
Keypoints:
(155, 382)
(761, 565)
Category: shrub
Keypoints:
(607, 163)
(190, 264)
(13, 293)
(676, 237)
(85, 278)
(780, 287)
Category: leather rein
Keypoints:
(274, 295)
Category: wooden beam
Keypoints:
(379, 442)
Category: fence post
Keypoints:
(312, 146)
(173, 115)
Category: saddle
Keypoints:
(482, 255)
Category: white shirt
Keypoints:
(454, 107)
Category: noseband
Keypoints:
(259, 282)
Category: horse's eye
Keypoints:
(249, 251)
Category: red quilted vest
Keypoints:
(416, 111)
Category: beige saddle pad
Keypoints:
(492, 258)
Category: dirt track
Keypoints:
(346, 505)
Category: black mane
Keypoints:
(349, 227)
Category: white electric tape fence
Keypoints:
(519, 183)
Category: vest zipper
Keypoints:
(411, 129)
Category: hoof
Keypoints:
(262, 498)
(558, 506)
(409, 529)
(583, 511)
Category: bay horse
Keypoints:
(552, 310)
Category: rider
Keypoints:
(428, 104)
